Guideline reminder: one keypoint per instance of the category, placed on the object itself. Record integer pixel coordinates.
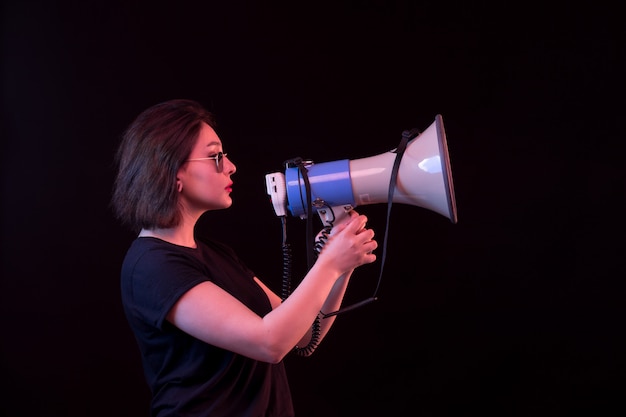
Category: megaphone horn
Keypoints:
(423, 179)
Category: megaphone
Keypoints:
(423, 178)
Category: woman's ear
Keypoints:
(179, 185)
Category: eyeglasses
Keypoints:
(218, 158)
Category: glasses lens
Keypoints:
(219, 161)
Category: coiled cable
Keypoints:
(286, 291)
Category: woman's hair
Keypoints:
(150, 154)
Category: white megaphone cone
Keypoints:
(423, 179)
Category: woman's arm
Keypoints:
(332, 304)
(211, 314)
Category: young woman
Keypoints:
(212, 335)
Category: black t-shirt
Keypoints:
(187, 376)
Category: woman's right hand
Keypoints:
(350, 244)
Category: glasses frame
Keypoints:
(218, 158)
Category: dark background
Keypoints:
(516, 310)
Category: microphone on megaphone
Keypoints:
(422, 178)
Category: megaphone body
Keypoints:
(423, 179)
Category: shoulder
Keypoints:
(223, 250)
(217, 246)
(152, 254)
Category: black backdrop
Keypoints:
(517, 310)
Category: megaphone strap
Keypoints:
(407, 135)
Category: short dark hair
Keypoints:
(150, 153)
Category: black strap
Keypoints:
(301, 165)
(309, 216)
(406, 136)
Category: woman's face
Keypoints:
(204, 179)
